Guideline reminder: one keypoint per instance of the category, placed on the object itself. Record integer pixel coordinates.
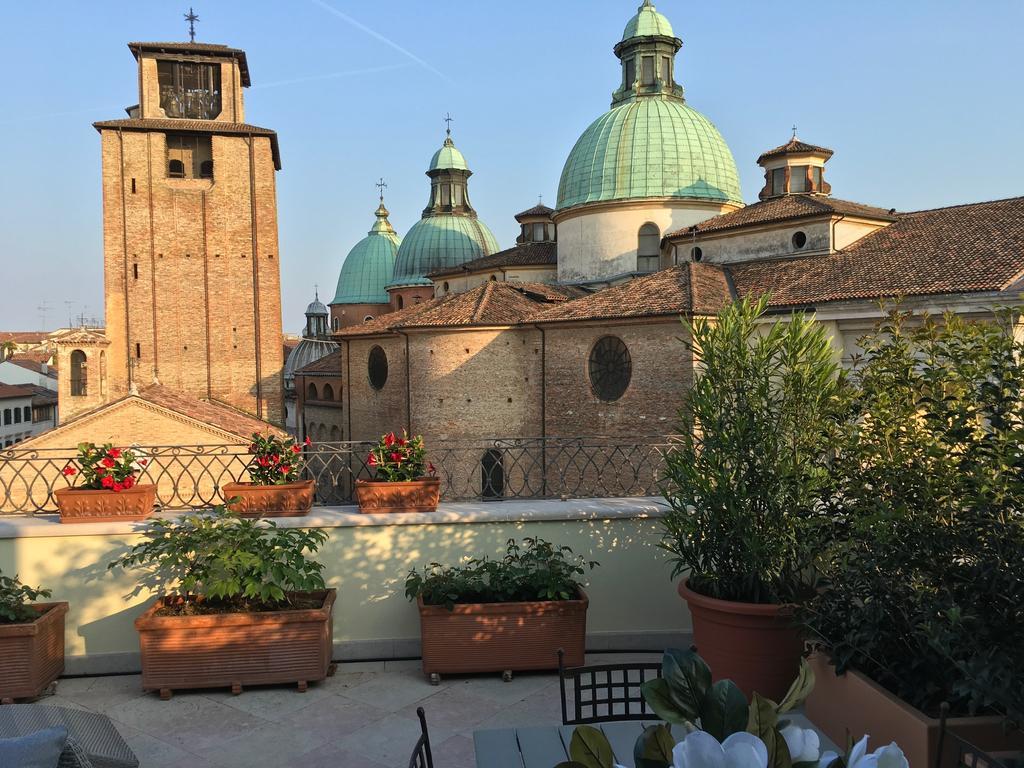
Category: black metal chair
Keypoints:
(421, 755)
(966, 754)
(605, 692)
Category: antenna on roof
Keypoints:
(191, 18)
(43, 308)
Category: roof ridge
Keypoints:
(481, 302)
(964, 205)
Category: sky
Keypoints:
(920, 99)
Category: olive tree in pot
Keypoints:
(239, 603)
(31, 640)
(745, 482)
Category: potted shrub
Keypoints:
(109, 489)
(239, 603)
(275, 488)
(744, 483)
(31, 640)
(404, 480)
(924, 601)
(502, 615)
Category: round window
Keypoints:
(610, 368)
(377, 368)
(697, 253)
(799, 239)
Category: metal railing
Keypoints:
(191, 476)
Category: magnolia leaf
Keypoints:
(763, 722)
(688, 680)
(656, 694)
(570, 764)
(590, 748)
(653, 748)
(724, 710)
(799, 690)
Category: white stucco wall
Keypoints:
(10, 373)
(765, 243)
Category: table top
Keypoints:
(94, 732)
(547, 746)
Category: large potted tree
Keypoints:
(924, 601)
(275, 487)
(31, 640)
(109, 489)
(505, 615)
(744, 482)
(239, 603)
(404, 481)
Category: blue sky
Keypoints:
(921, 100)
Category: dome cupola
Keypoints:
(368, 267)
(647, 51)
(795, 168)
(316, 318)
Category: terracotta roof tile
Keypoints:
(193, 126)
(793, 146)
(493, 303)
(33, 365)
(24, 337)
(522, 255)
(216, 414)
(10, 391)
(328, 364)
(538, 210)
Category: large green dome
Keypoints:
(369, 265)
(649, 147)
(437, 242)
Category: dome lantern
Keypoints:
(316, 317)
(647, 51)
(795, 168)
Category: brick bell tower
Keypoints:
(191, 276)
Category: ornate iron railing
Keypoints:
(488, 470)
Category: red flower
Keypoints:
(108, 462)
(101, 471)
(372, 460)
(430, 468)
(107, 482)
(308, 441)
(118, 487)
(275, 458)
(263, 461)
(143, 462)
(69, 471)
(114, 453)
(296, 449)
(389, 439)
(129, 481)
(286, 468)
(396, 457)
(402, 441)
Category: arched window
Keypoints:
(401, 302)
(377, 367)
(368, 318)
(335, 434)
(79, 385)
(176, 169)
(335, 323)
(610, 368)
(492, 475)
(311, 393)
(206, 169)
(648, 248)
(327, 393)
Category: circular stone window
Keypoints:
(610, 368)
(377, 368)
(697, 253)
(799, 239)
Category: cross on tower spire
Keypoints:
(381, 185)
(448, 122)
(794, 130)
(191, 18)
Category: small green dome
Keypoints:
(448, 158)
(369, 265)
(649, 147)
(437, 242)
(647, 22)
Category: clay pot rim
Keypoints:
(47, 612)
(151, 622)
(420, 481)
(581, 603)
(141, 488)
(732, 606)
(243, 484)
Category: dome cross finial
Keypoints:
(448, 122)
(381, 185)
(191, 18)
(794, 133)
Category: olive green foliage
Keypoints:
(926, 590)
(753, 459)
(535, 570)
(16, 599)
(221, 558)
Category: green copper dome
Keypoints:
(448, 158)
(441, 241)
(649, 147)
(369, 265)
(647, 22)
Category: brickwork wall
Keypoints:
(374, 412)
(232, 108)
(352, 314)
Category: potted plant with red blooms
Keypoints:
(109, 489)
(404, 480)
(276, 488)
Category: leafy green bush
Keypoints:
(16, 599)
(536, 571)
(926, 594)
(216, 562)
(753, 460)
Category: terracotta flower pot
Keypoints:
(410, 496)
(850, 705)
(288, 500)
(756, 646)
(236, 649)
(499, 637)
(80, 505)
(32, 654)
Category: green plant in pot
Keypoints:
(31, 639)
(745, 483)
(403, 479)
(276, 487)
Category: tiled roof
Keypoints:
(10, 391)
(384, 323)
(24, 337)
(793, 146)
(691, 288)
(41, 395)
(493, 303)
(328, 364)
(33, 365)
(209, 49)
(193, 126)
(522, 255)
(785, 208)
(538, 210)
(960, 249)
(216, 414)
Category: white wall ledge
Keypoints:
(348, 516)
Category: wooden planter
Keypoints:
(502, 637)
(850, 705)
(236, 649)
(32, 655)
(411, 496)
(288, 500)
(80, 505)
(756, 646)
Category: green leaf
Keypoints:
(762, 723)
(658, 698)
(590, 748)
(688, 680)
(570, 764)
(799, 690)
(654, 747)
(724, 710)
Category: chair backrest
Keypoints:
(954, 750)
(605, 692)
(421, 755)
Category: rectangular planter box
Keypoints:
(494, 637)
(79, 505)
(850, 705)
(375, 496)
(32, 655)
(236, 649)
(288, 500)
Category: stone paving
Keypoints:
(363, 717)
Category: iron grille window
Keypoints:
(492, 475)
(377, 368)
(610, 368)
(189, 89)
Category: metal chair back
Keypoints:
(966, 754)
(421, 755)
(605, 692)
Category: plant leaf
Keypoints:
(724, 710)
(762, 723)
(653, 748)
(799, 690)
(656, 694)
(688, 680)
(590, 748)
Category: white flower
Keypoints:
(890, 756)
(803, 743)
(701, 750)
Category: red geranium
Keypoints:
(114, 453)
(68, 471)
(398, 459)
(107, 481)
(276, 460)
(108, 462)
(104, 467)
